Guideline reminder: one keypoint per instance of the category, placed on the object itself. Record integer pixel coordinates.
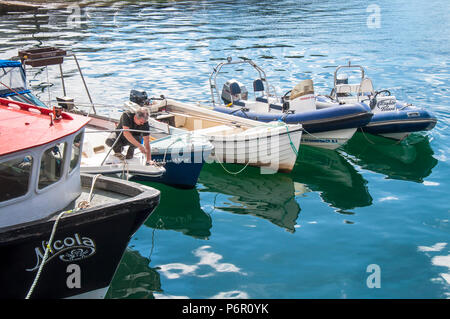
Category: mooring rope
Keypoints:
(47, 249)
(280, 123)
(364, 134)
(81, 205)
(125, 168)
(290, 141)
(230, 172)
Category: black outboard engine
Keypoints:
(139, 97)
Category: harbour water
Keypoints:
(372, 207)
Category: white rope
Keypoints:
(44, 259)
(364, 134)
(92, 186)
(125, 168)
(81, 205)
(85, 204)
(232, 173)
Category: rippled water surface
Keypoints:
(309, 234)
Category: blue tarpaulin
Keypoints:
(9, 64)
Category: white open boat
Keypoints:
(272, 146)
(98, 158)
(180, 152)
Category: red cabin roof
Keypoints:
(24, 126)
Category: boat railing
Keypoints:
(218, 67)
(349, 66)
(351, 88)
(52, 56)
(274, 93)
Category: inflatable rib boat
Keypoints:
(326, 125)
(391, 118)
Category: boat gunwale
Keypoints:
(139, 195)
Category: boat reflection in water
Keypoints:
(410, 160)
(333, 177)
(269, 196)
(134, 278)
(180, 211)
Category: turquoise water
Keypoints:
(308, 234)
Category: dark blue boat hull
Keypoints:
(180, 174)
(406, 120)
(320, 120)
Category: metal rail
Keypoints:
(51, 56)
(349, 66)
(216, 71)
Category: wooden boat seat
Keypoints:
(220, 130)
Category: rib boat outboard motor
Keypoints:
(300, 98)
(233, 90)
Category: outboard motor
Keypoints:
(302, 97)
(342, 79)
(232, 91)
(139, 97)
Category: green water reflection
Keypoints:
(410, 160)
(180, 210)
(134, 278)
(336, 176)
(327, 172)
(269, 196)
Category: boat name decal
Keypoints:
(313, 140)
(387, 105)
(69, 249)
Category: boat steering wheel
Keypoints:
(285, 101)
(373, 101)
(382, 91)
(287, 95)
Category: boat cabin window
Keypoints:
(15, 177)
(52, 165)
(13, 78)
(76, 151)
(26, 98)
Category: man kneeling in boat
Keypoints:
(137, 122)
